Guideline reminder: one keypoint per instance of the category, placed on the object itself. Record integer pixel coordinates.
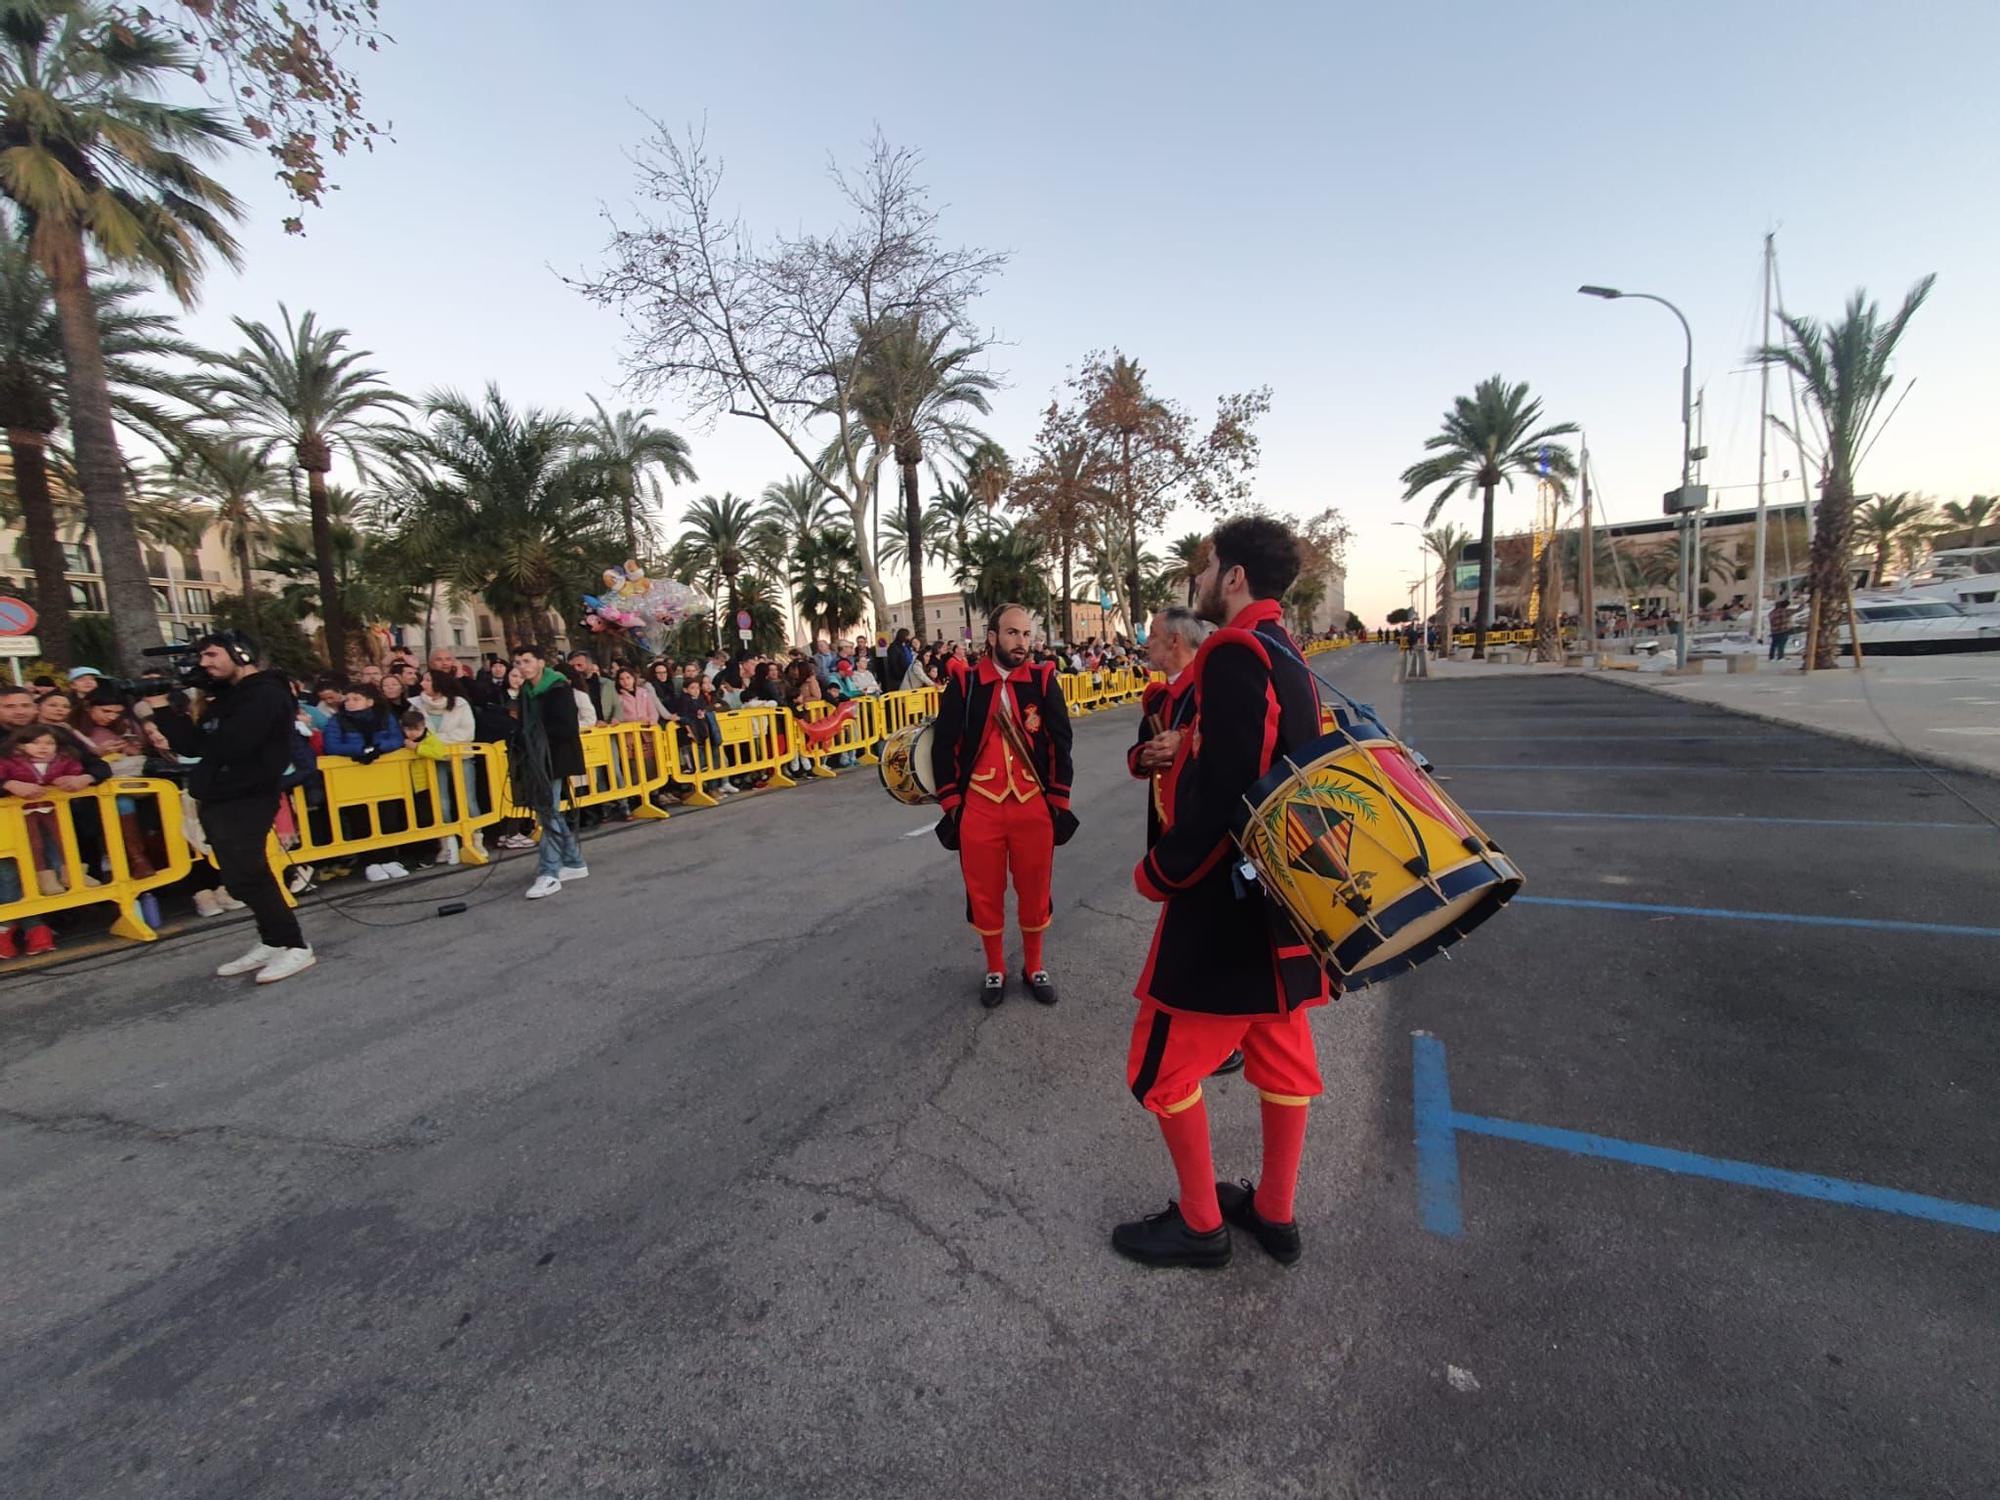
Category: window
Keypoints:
(191, 567)
(458, 635)
(163, 598)
(86, 595)
(199, 601)
(77, 557)
(485, 625)
(156, 565)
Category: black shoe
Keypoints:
(1163, 1239)
(1230, 1064)
(1040, 985)
(993, 990)
(1238, 1201)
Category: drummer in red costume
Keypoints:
(1001, 758)
(1225, 970)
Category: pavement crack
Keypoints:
(114, 1128)
(1122, 916)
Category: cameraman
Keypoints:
(244, 745)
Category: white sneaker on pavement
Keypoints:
(397, 870)
(573, 872)
(286, 962)
(545, 885)
(256, 958)
(226, 901)
(376, 872)
(301, 880)
(448, 850)
(205, 904)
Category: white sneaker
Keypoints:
(573, 872)
(300, 880)
(478, 844)
(226, 901)
(285, 963)
(545, 885)
(205, 904)
(397, 870)
(376, 872)
(448, 850)
(256, 958)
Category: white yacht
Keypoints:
(1890, 623)
(1966, 576)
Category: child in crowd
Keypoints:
(33, 762)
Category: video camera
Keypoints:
(183, 670)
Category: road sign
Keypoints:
(744, 636)
(742, 619)
(17, 616)
(20, 645)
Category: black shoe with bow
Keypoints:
(1040, 985)
(993, 990)
(1230, 1064)
(1238, 1201)
(1164, 1239)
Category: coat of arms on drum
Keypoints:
(1316, 831)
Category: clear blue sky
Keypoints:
(1367, 208)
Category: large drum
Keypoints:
(906, 765)
(1376, 867)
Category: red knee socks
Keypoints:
(1284, 1141)
(996, 952)
(1031, 951)
(1187, 1142)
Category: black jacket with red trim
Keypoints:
(1221, 947)
(1162, 706)
(961, 729)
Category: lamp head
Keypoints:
(1606, 292)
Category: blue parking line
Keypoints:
(1620, 739)
(1437, 1155)
(1725, 914)
(1564, 768)
(1439, 1125)
(1745, 818)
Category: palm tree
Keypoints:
(1487, 439)
(1061, 492)
(912, 390)
(1007, 568)
(629, 458)
(302, 388)
(509, 510)
(34, 402)
(97, 162)
(957, 515)
(1126, 410)
(371, 569)
(1190, 556)
(988, 472)
(1447, 543)
(1969, 513)
(720, 542)
(1844, 368)
(1891, 524)
(238, 483)
(826, 580)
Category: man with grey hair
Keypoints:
(1173, 640)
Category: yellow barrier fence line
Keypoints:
(756, 740)
(361, 801)
(857, 737)
(120, 887)
(621, 763)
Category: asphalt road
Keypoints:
(708, 1177)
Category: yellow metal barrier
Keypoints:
(621, 763)
(900, 710)
(396, 799)
(54, 835)
(757, 740)
(858, 737)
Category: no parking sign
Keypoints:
(17, 616)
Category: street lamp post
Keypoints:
(1423, 602)
(1612, 294)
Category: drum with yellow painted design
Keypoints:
(1376, 866)
(906, 765)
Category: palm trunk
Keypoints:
(243, 562)
(1131, 519)
(1832, 543)
(1069, 635)
(100, 471)
(331, 611)
(877, 599)
(1485, 606)
(1445, 602)
(29, 451)
(631, 530)
(913, 523)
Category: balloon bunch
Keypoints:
(641, 608)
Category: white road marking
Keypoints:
(1462, 1381)
(917, 833)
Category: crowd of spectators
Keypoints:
(75, 733)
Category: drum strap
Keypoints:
(1011, 731)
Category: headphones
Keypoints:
(242, 650)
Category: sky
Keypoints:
(1366, 208)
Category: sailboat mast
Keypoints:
(1763, 433)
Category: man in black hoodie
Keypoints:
(244, 741)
